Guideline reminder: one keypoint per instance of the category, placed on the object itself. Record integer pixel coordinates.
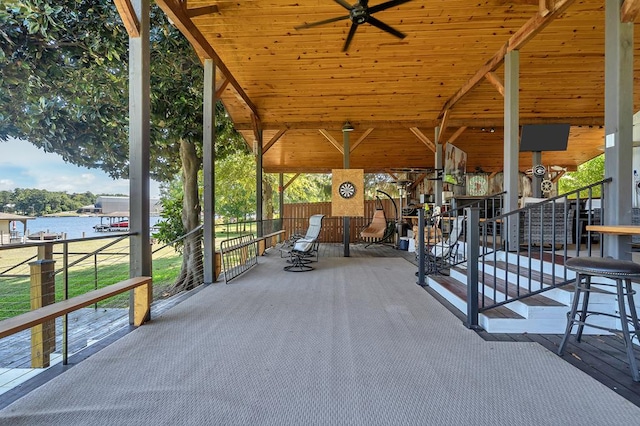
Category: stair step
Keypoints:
(545, 278)
(459, 289)
(512, 290)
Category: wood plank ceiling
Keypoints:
(300, 88)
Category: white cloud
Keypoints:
(6, 184)
(22, 165)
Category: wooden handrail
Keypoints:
(29, 319)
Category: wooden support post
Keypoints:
(43, 293)
(218, 265)
(142, 296)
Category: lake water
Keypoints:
(74, 227)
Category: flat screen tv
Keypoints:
(544, 137)
(455, 165)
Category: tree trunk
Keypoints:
(191, 274)
(267, 212)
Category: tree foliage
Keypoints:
(38, 202)
(590, 172)
(64, 87)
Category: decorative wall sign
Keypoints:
(478, 185)
(539, 170)
(546, 186)
(347, 193)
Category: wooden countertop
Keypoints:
(615, 229)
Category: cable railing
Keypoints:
(41, 273)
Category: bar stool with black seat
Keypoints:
(622, 272)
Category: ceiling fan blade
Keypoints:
(352, 32)
(344, 4)
(386, 5)
(377, 23)
(326, 21)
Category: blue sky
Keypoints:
(22, 165)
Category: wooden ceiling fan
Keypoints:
(360, 13)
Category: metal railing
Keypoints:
(519, 252)
(63, 269)
(238, 256)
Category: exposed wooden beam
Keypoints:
(496, 81)
(129, 17)
(558, 175)
(273, 140)
(457, 134)
(175, 12)
(629, 10)
(393, 175)
(203, 10)
(529, 30)
(444, 123)
(423, 138)
(545, 6)
(291, 181)
(221, 86)
(360, 139)
(333, 141)
(419, 179)
(256, 126)
(595, 120)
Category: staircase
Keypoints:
(499, 280)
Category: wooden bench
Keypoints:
(262, 241)
(142, 305)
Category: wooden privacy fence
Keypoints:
(296, 219)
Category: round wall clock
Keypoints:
(347, 189)
(478, 185)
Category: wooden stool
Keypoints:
(621, 271)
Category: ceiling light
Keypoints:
(347, 127)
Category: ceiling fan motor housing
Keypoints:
(358, 15)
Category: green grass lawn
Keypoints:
(82, 278)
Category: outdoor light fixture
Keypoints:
(347, 127)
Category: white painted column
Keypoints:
(618, 119)
(511, 134)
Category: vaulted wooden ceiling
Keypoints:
(299, 87)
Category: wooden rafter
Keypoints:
(545, 6)
(273, 140)
(175, 12)
(222, 84)
(257, 126)
(419, 179)
(444, 123)
(423, 138)
(199, 11)
(629, 10)
(393, 175)
(360, 139)
(515, 42)
(333, 141)
(558, 175)
(286, 185)
(457, 134)
(129, 17)
(496, 81)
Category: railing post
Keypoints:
(420, 248)
(43, 293)
(473, 254)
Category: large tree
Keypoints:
(64, 88)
